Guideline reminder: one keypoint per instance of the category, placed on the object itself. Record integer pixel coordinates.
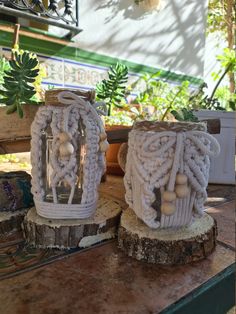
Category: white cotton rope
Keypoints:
(153, 160)
(67, 119)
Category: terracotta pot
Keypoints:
(113, 166)
(112, 161)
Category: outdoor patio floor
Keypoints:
(103, 280)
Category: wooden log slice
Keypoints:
(167, 246)
(11, 221)
(58, 233)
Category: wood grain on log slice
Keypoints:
(11, 221)
(42, 232)
(167, 246)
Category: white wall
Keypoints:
(172, 38)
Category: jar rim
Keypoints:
(51, 96)
(175, 126)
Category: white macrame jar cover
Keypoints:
(166, 173)
(63, 119)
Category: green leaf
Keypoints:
(33, 73)
(30, 80)
(14, 65)
(25, 57)
(3, 100)
(9, 79)
(11, 109)
(177, 115)
(18, 79)
(10, 100)
(20, 111)
(33, 63)
(16, 56)
(2, 92)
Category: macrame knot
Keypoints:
(176, 163)
(76, 129)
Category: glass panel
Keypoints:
(63, 189)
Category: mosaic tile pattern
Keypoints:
(71, 74)
(54, 69)
(82, 75)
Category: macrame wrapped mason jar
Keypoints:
(166, 172)
(67, 155)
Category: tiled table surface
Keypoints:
(103, 280)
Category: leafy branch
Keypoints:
(228, 63)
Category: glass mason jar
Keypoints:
(67, 163)
(63, 189)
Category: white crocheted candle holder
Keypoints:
(65, 118)
(157, 151)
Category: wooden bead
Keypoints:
(169, 196)
(104, 145)
(64, 137)
(66, 149)
(181, 190)
(168, 209)
(103, 136)
(181, 178)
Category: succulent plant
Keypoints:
(112, 90)
(18, 82)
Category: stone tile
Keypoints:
(104, 280)
(227, 210)
(219, 194)
(11, 237)
(225, 217)
(114, 188)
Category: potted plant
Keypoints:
(20, 81)
(221, 104)
(155, 101)
(158, 98)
